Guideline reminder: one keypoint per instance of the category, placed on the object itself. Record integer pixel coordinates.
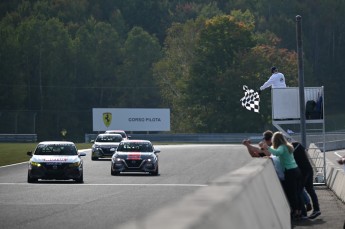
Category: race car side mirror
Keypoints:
(29, 154)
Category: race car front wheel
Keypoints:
(80, 179)
(156, 172)
(114, 173)
(32, 180)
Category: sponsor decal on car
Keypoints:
(135, 156)
(55, 159)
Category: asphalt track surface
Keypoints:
(332, 208)
(105, 201)
(333, 156)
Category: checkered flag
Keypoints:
(251, 99)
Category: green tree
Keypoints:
(151, 15)
(98, 57)
(206, 63)
(256, 66)
(172, 72)
(13, 86)
(323, 38)
(223, 39)
(46, 60)
(138, 86)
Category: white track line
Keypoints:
(59, 184)
(4, 166)
(337, 154)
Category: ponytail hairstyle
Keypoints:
(278, 139)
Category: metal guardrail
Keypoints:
(195, 138)
(333, 140)
(18, 137)
(221, 137)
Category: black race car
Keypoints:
(135, 156)
(55, 160)
(105, 145)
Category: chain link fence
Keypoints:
(48, 125)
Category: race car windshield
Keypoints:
(109, 139)
(135, 147)
(68, 150)
(122, 134)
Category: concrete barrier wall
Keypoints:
(250, 197)
(335, 177)
(334, 145)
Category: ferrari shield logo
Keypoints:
(107, 118)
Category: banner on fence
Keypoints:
(131, 119)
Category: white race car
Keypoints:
(55, 160)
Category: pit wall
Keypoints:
(250, 197)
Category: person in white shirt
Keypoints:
(277, 80)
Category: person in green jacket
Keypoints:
(293, 177)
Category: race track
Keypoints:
(106, 201)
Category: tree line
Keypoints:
(59, 59)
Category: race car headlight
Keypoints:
(95, 146)
(117, 160)
(150, 159)
(75, 164)
(35, 164)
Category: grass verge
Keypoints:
(11, 153)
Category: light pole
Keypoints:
(301, 78)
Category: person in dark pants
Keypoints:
(293, 177)
(304, 165)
